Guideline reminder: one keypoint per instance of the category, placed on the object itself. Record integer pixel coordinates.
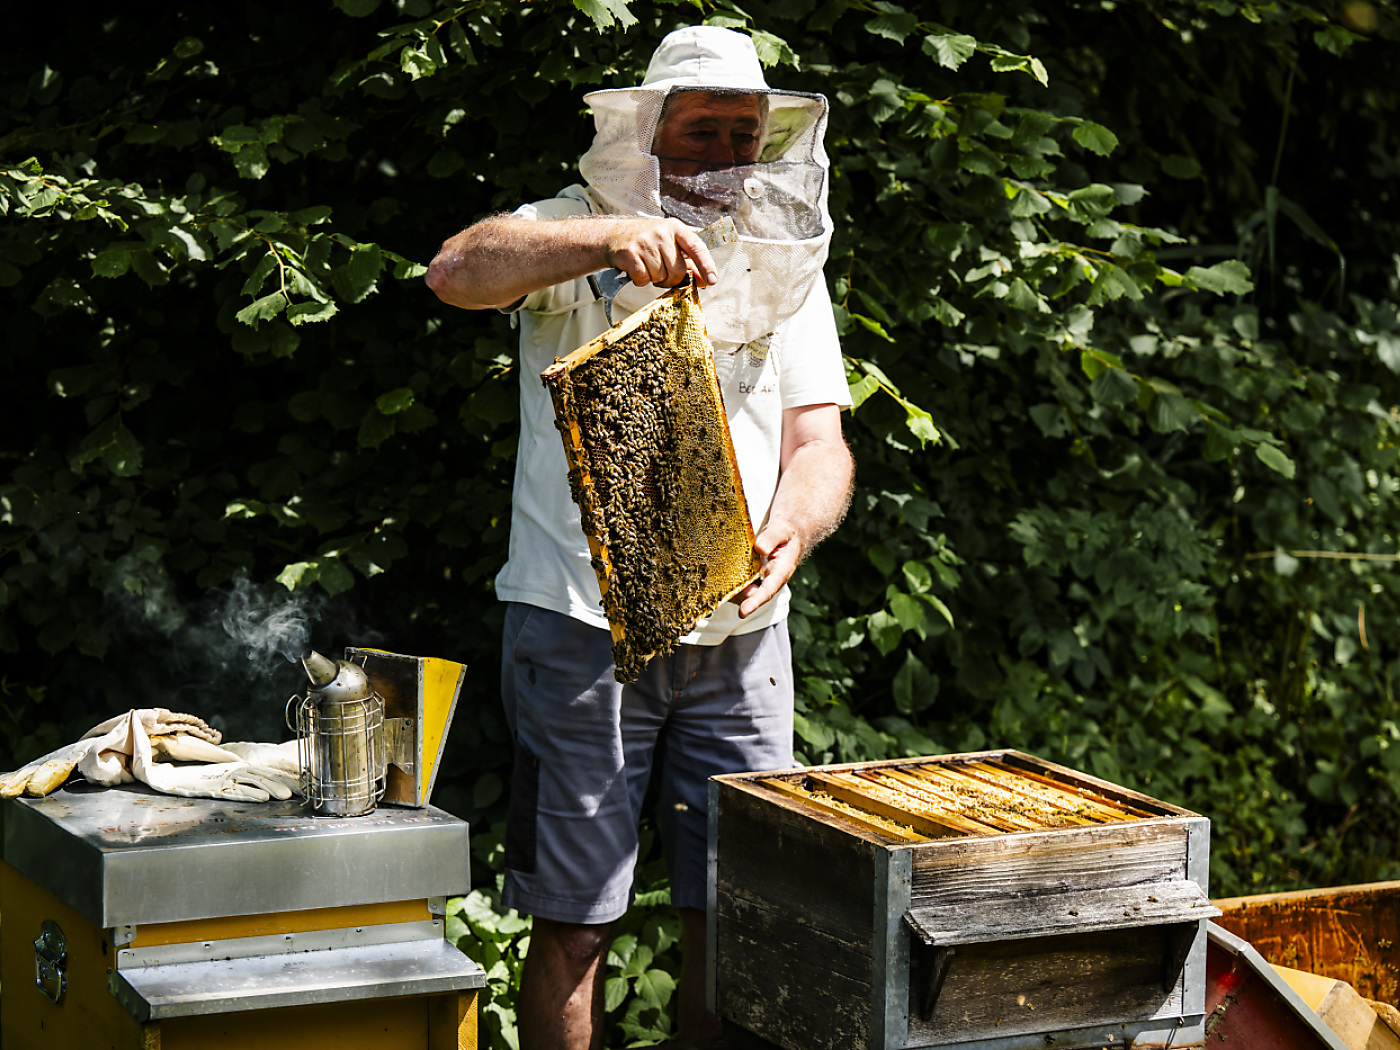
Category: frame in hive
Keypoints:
(653, 471)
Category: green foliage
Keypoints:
(1117, 285)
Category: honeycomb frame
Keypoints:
(653, 472)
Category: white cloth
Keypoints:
(549, 564)
(778, 202)
(125, 748)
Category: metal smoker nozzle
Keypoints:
(320, 669)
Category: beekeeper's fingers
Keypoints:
(697, 254)
(655, 251)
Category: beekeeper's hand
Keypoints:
(657, 251)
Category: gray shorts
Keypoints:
(585, 748)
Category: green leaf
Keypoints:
(614, 992)
(1275, 459)
(1181, 167)
(893, 26)
(884, 631)
(655, 987)
(921, 425)
(307, 313)
(375, 429)
(1096, 138)
(358, 277)
(1230, 277)
(335, 576)
(1221, 442)
(773, 50)
(395, 401)
(298, 574)
(1113, 386)
(461, 46)
(908, 610)
(607, 13)
(111, 262)
(950, 49)
(1169, 412)
(264, 309)
(1335, 39)
(357, 8)
(861, 389)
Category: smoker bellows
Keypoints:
(652, 469)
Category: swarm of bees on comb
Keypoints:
(652, 470)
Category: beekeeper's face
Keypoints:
(702, 131)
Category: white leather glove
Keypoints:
(236, 781)
(45, 773)
(183, 747)
(157, 721)
(283, 757)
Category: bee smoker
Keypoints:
(354, 751)
(340, 737)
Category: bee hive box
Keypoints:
(652, 469)
(990, 900)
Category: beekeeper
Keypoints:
(702, 138)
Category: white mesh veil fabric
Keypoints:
(778, 203)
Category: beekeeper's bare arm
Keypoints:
(500, 259)
(814, 490)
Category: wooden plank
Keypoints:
(968, 869)
(793, 933)
(1351, 933)
(884, 828)
(1049, 984)
(864, 794)
(1020, 918)
(1348, 1015)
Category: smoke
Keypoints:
(228, 654)
(262, 628)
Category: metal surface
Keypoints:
(340, 739)
(711, 895)
(1099, 1037)
(126, 857)
(279, 944)
(266, 982)
(889, 1027)
(51, 961)
(1253, 1007)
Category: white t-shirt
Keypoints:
(549, 564)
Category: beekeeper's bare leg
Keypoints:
(697, 1023)
(561, 989)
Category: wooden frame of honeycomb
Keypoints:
(653, 471)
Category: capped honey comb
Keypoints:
(652, 469)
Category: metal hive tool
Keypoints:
(652, 469)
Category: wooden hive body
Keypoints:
(653, 471)
(836, 926)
